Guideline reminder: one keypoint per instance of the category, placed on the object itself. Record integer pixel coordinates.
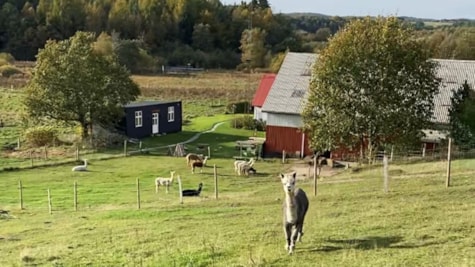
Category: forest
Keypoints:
(148, 34)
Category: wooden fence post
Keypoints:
(31, 158)
(315, 175)
(75, 198)
(386, 173)
(125, 148)
(215, 182)
(77, 153)
(283, 156)
(50, 206)
(45, 153)
(181, 191)
(18, 143)
(424, 150)
(20, 188)
(138, 193)
(209, 152)
(449, 159)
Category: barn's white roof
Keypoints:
(290, 88)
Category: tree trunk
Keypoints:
(85, 130)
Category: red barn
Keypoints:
(284, 104)
(287, 96)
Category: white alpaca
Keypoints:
(244, 167)
(237, 163)
(80, 168)
(162, 181)
(198, 164)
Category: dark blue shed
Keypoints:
(148, 118)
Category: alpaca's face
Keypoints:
(288, 181)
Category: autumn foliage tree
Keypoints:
(72, 82)
(372, 85)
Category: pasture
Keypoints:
(351, 222)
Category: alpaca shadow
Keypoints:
(365, 243)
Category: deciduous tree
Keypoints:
(72, 82)
(373, 84)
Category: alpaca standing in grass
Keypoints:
(162, 181)
(294, 208)
(80, 168)
(245, 166)
(198, 164)
(191, 157)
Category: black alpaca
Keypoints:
(192, 192)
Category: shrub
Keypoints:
(41, 135)
(9, 70)
(6, 58)
(249, 123)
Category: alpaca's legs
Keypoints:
(293, 239)
(299, 232)
(288, 237)
(166, 187)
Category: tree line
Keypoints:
(203, 33)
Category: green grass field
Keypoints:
(350, 223)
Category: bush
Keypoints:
(9, 70)
(41, 135)
(6, 59)
(248, 123)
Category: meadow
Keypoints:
(351, 221)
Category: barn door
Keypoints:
(155, 123)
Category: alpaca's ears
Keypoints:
(281, 175)
(294, 175)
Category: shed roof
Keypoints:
(263, 89)
(453, 74)
(290, 87)
(147, 103)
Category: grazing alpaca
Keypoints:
(244, 167)
(162, 181)
(192, 192)
(80, 168)
(190, 157)
(295, 207)
(238, 163)
(198, 164)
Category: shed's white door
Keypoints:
(154, 123)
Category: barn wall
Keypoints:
(284, 120)
(284, 138)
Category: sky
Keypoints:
(430, 9)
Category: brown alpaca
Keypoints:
(193, 157)
(198, 164)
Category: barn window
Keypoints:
(171, 114)
(138, 118)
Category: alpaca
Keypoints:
(192, 192)
(244, 167)
(190, 157)
(198, 164)
(238, 163)
(162, 181)
(80, 168)
(295, 207)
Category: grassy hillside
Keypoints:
(350, 223)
